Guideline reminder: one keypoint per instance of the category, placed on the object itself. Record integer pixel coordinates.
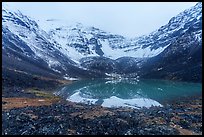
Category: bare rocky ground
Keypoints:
(33, 110)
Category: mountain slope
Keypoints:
(24, 43)
(182, 60)
(85, 52)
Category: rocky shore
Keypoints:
(34, 110)
(47, 115)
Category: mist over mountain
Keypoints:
(173, 51)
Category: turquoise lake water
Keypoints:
(128, 93)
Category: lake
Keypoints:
(128, 93)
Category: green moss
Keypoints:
(41, 93)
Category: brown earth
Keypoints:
(14, 102)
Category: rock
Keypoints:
(56, 120)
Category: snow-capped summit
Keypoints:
(20, 33)
(78, 41)
(65, 47)
(175, 28)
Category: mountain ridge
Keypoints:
(66, 50)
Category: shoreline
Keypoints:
(52, 115)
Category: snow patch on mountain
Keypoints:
(78, 41)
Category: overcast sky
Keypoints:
(130, 19)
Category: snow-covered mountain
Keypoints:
(176, 26)
(24, 41)
(182, 60)
(78, 41)
(81, 51)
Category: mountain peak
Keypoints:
(199, 5)
(65, 43)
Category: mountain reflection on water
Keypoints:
(127, 93)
